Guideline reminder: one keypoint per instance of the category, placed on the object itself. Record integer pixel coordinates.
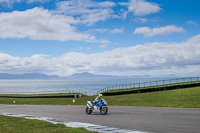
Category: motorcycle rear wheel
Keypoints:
(88, 111)
(104, 110)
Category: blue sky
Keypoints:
(129, 37)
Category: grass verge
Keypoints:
(47, 101)
(186, 98)
(158, 86)
(22, 125)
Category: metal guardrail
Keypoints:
(125, 86)
(51, 92)
(66, 91)
(149, 84)
(41, 92)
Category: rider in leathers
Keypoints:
(97, 99)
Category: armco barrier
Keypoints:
(152, 89)
(149, 84)
(53, 96)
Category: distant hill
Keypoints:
(27, 76)
(86, 75)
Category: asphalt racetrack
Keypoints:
(146, 119)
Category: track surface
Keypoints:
(149, 119)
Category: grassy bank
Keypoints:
(158, 86)
(187, 98)
(22, 125)
(46, 101)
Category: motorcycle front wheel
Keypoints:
(88, 111)
(104, 110)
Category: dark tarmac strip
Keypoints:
(147, 119)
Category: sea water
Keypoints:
(87, 86)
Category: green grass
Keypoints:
(47, 101)
(183, 98)
(186, 98)
(141, 88)
(39, 94)
(22, 125)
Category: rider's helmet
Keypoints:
(100, 95)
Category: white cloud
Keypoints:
(9, 3)
(29, 1)
(141, 7)
(99, 30)
(81, 48)
(191, 22)
(145, 20)
(110, 31)
(151, 58)
(40, 24)
(104, 46)
(87, 11)
(116, 31)
(44, 24)
(32, 1)
(105, 41)
(169, 29)
(140, 20)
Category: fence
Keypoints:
(66, 91)
(51, 92)
(125, 86)
(41, 92)
(149, 84)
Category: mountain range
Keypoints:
(27, 76)
(87, 75)
(84, 75)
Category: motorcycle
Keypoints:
(100, 107)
